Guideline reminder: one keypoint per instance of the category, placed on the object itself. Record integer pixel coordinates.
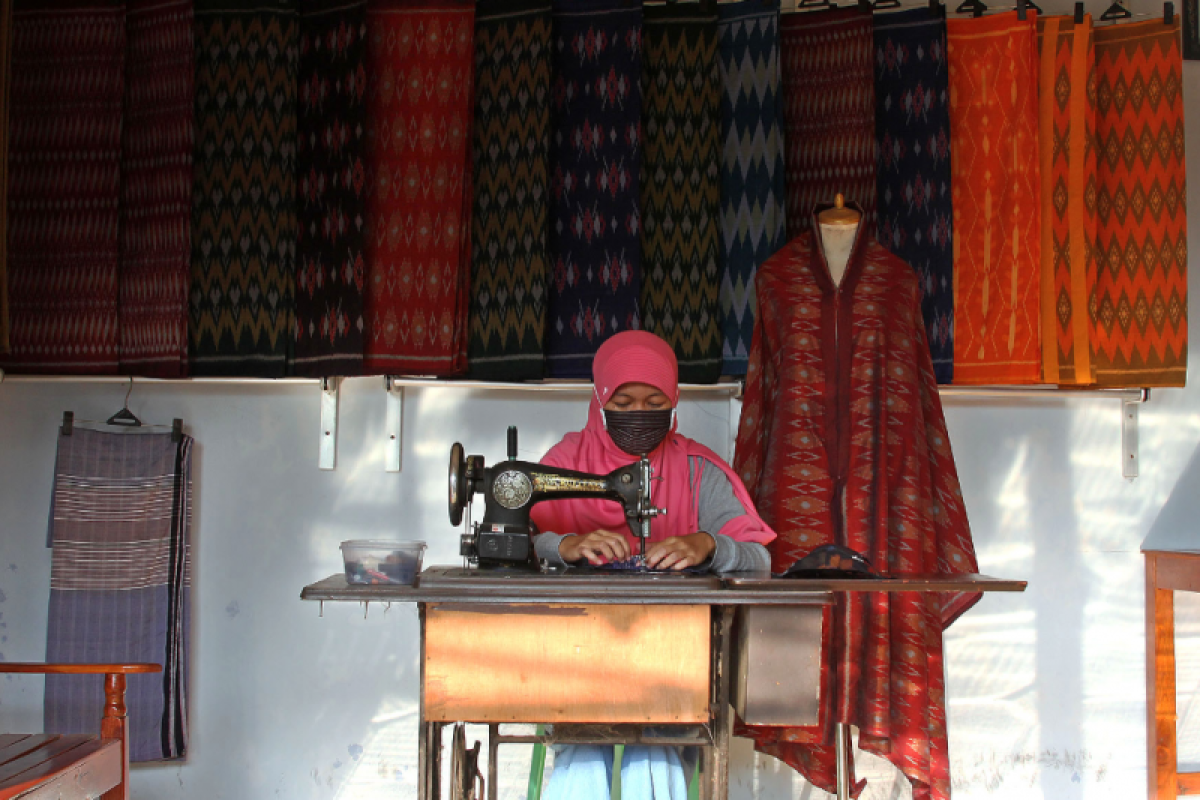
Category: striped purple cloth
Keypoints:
(120, 581)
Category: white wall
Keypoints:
(1045, 689)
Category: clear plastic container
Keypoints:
(373, 561)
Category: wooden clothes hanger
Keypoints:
(124, 418)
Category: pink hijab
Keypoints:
(639, 357)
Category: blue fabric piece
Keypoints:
(581, 772)
(912, 131)
(595, 163)
(652, 773)
(752, 170)
(584, 772)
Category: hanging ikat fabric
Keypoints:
(828, 112)
(5, 82)
(243, 216)
(1067, 128)
(995, 185)
(752, 174)
(156, 187)
(420, 57)
(512, 128)
(595, 165)
(64, 175)
(1140, 307)
(680, 187)
(912, 130)
(842, 440)
(331, 189)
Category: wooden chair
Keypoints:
(49, 765)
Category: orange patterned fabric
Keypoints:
(1067, 123)
(1140, 307)
(842, 440)
(995, 182)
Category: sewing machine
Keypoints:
(504, 537)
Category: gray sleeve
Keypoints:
(735, 556)
(545, 546)
(719, 505)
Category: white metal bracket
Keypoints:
(395, 420)
(1129, 434)
(327, 453)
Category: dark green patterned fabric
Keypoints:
(680, 194)
(243, 212)
(512, 122)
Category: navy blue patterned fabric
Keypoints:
(912, 129)
(752, 171)
(595, 160)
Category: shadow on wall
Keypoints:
(1174, 529)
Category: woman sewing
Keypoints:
(711, 524)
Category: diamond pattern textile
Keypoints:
(1140, 305)
(420, 60)
(511, 204)
(995, 185)
(912, 131)
(752, 174)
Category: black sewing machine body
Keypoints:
(504, 537)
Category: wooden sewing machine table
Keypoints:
(599, 657)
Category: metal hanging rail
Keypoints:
(394, 387)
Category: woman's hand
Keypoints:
(681, 552)
(598, 547)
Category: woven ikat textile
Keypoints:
(1067, 130)
(752, 174)
(1140, 306)
(912, 130)
(120, 529)
(842, 440)
(5, 82)
(828, 112)
(64, 186)
(331, 188)
(156, 187)
(595, 166)
(420, 58)
(243, 213)
(511, 204)
(995, 187)
(680, 186)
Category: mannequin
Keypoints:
(838, 227)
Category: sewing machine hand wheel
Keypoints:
(459, 491)
(466, 783)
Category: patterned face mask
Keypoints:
(638, 432)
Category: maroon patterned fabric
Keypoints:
(64, 185)
(420, 56)
(828, 87)
(156, 188)
(842, 441)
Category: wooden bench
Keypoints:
(70, 766)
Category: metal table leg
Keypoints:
(493, 751)
(845, 754)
